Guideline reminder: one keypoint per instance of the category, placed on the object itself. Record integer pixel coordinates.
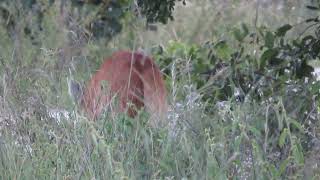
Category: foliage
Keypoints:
(97, 18)
(278, 68)
(263, 68)
(244, 105)
(158, 10)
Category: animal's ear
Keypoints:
(75, 90)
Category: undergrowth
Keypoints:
(213, 132)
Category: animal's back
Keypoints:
(132, 77)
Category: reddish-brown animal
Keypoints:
(132, 78)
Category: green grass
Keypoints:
(229, 143)
(202, 140)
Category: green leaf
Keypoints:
(283, 30)
(312, 20)
(245, 29)
(254, 131)
(223, 50)
(268, 55)
(269, 39)
(282, 138)
(312, 7)
(297, 152)
(273, 170)
(237, 34)
(283, 166)
(296, 124)
(241, 34)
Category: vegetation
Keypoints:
(242, 88)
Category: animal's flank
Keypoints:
(134, 79)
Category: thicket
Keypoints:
(246, 106)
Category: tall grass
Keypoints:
(202, 140)
(232, 142)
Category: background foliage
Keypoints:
(241, 78)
